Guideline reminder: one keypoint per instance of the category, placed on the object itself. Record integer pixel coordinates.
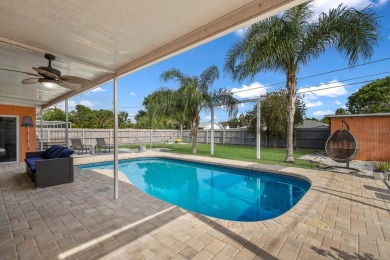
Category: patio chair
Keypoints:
(77, 145)
(101, 144)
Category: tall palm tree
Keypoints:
(290, 40)
(192, 96)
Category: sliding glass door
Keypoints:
(8, 139)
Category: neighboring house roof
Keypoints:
(207, 126)
(312, 124)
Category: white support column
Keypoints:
(66, 123)
(116, 161)
(212, 130)
(41, 130)
(258, 143)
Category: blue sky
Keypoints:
(134, 87)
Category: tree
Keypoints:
(159, 117)
(124, 120)
(192, 96)
(312, 118)
(105, 118)
(84, 117)
(274, 113)
(142, 121)
(285, 42)
(371, 98)
(54, 114)
(341, 111)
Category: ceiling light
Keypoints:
(48, 83)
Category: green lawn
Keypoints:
(242, 153)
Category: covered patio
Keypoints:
(101, 214)
(341, 217)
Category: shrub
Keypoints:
(381, 166)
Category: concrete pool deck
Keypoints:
(341, 217)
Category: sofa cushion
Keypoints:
(53, 153)
(49, 150)
(65, 153)
(31, 163)
(33, 169)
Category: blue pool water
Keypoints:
(221, 192)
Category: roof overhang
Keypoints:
(358, 115)
(101, 40)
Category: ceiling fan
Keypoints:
(48, 76)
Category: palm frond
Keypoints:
(207, 78)
(354, 33)
(263, 47)
(173, 74)
(224, 98)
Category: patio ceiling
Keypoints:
(100, 40)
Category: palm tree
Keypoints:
(192, 96)
(290, 40)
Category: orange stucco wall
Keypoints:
(7, 110)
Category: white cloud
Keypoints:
(242, 105)
(98, 89)
(323, 112)
(337, 102)
(86, 103)
(253, 90)
(325, 5)
(71, 105)
(314, 104)
(132, 94)
(209, 117)
(331, 89)
(242, 31)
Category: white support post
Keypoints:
(41, 130)
(116, 161)
(212, 130)
(258, 143)
(66, 123)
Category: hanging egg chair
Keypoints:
(342, 145)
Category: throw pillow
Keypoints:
(65, 153)
(48, 150)
(53, 153)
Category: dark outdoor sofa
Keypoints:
(53, 166)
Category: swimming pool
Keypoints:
(221, 192)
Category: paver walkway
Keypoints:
(81, 220)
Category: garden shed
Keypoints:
(372, 131)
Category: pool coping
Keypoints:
(294, 214)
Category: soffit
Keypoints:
(101, 39)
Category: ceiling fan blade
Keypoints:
(31, 74)
(45, 73)
(77, 80)
(69, 85)
(30, 81)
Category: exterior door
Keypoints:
(9, 141)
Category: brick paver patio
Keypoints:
(81, 220)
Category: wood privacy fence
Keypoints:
(305, 137)
(88, 136)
